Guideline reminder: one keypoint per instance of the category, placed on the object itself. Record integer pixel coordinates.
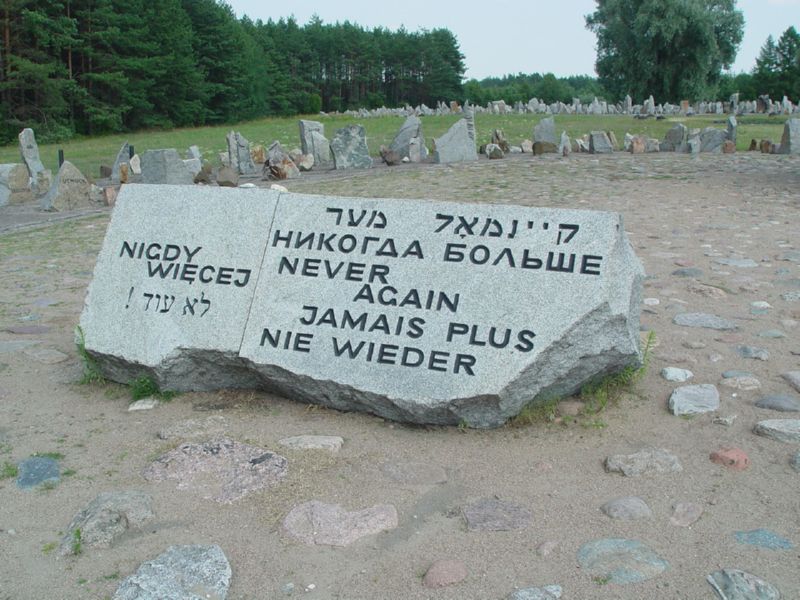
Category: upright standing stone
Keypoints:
(711, 140)
(544, 136)
(165, 166)
(279, 164)
(599, 143)
(239, 154)
(40, 177)
(69, 191)
(731, 128)
(410, 132)
(123, 157)
(456, 145)
(314, 142)
(14, 183)
(675, 139)
(790, 142)
(468, 114)
(349, 148)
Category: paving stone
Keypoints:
(181, 573)
(688, 272)
(773, 334)
(736, 373)
(704, 320)
(444, 572)
(106, 518)
(621, 561)
(795, 461)
(627, 508)
(694, 399)
(745, 263)
(685, 514)
(648, 461)
(143, 404)
(37, 470)
(222, 470)
(763, 538)
(793, 377)
(779, 402)
(753, 352)
(782, 430)
(330, 443)
(733, 458)
(547, 592)
(414, 473)
(675, 374)
(13, 346)
(491, 514)
(317, 523)
(733, 584)
(27, 329)
(47, 356)
(743, 383)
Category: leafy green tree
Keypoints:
(777, 70)
(673, 49)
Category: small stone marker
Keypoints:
(790, 142)
(648, 461)
(314, 142)
(180, 573)
(621, 561)
(36, 471)
(29, 150)
(694, 399)
(685, 514)
(239, 154)
(410, 132)
(544, 134)
(317, 523)
(733, 584)
(782, 430)
(408, 309)
(627, 508)
(165, 166)
(69, 191)
(14, 184)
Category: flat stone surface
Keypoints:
(782, 430)
(648, 461)
(27, 329)
(685, 514)
(181, 573)
(694, 399)
(707, 321)
(70, 190)
(753, 352)
(444, 572)
(733, 458)
(621, 561)
(793, 378)
(47, 356)
(414, 473)
(193, 428)
(744, 383)
(317, 523)
(733, 584)
(36, 470)
(456, 145)
(547, 592)
(222, 470)
(688, 272)
(746, 263)
(143, 404)
(627, 508)
(164, 166)
(491, 514)
(106, 518)
(330, 443)
(676, 375)
(171, 283)
(780, 402)
(763, 538)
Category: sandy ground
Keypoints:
(680, 211)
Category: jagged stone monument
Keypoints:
(418, 311)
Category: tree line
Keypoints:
(99, 66)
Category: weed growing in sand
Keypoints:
(9, 471)
(91, 370)
(53, 455)
(49, 547)
(48, 485)
(601, 579)
(76, 546)
(145, 387)
(540, 412)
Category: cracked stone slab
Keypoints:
(694, 399)
(222, 470)
(318, 523)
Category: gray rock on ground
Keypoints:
(29, 151)
(14, 184)
(227, 177)
(704, 320)
(317, 523)
(790, 142)
(444, 572)
(239, 154)
(694, 399)
(491, 514)
(123, 158)
(711, 140)
(329, 443)
(456, 145)
(675, 139)
(192, 572)
(780, 402)
(648, 461)
(620, 561)
(165, 166)
(545, 131)
(781, 430)
(349, 148)
(793, 378)
(733, 584)
(279, 164)
(547, 592)
(599, 143)
(222, 469)
(627, 508)
(493, 151)
(106, 518)
(685, 514)
(314, 142)
(410, 132)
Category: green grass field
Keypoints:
(89, 153)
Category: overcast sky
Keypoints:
(503, 36)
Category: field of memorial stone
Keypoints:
(681, 484)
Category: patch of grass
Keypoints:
(601, 579)
(91, 370)
(5, 449)
(77, 546)
(539, 412)
(48, 485)
(8, 471)
(49, 547)
(68, 473)
(112, 577)
(144, 387)
(53, 455)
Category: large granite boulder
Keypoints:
(456, 145)
(599, 143)
(349, 148)
(711, 140)
(69, 191)
(419, 311)
(41, 178)
(314, 142)
(239, 154)
(165, 166)
(279, 164)
(544, 136)
(790, 142)
(675, 139)
(14, 184)
(410, 134)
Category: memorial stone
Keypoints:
(69, 191)
(544, 136)
(711, 140)
(165, 166)
(239, 154)
(314, 142)
(456, 145)
(14, 183)
(409, 132)
(30, 152)
(599, 143)
(418, 311)
(349, 148)
(790, 142)
(731, 129)
(123, 157)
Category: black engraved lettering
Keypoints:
(590, 264)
